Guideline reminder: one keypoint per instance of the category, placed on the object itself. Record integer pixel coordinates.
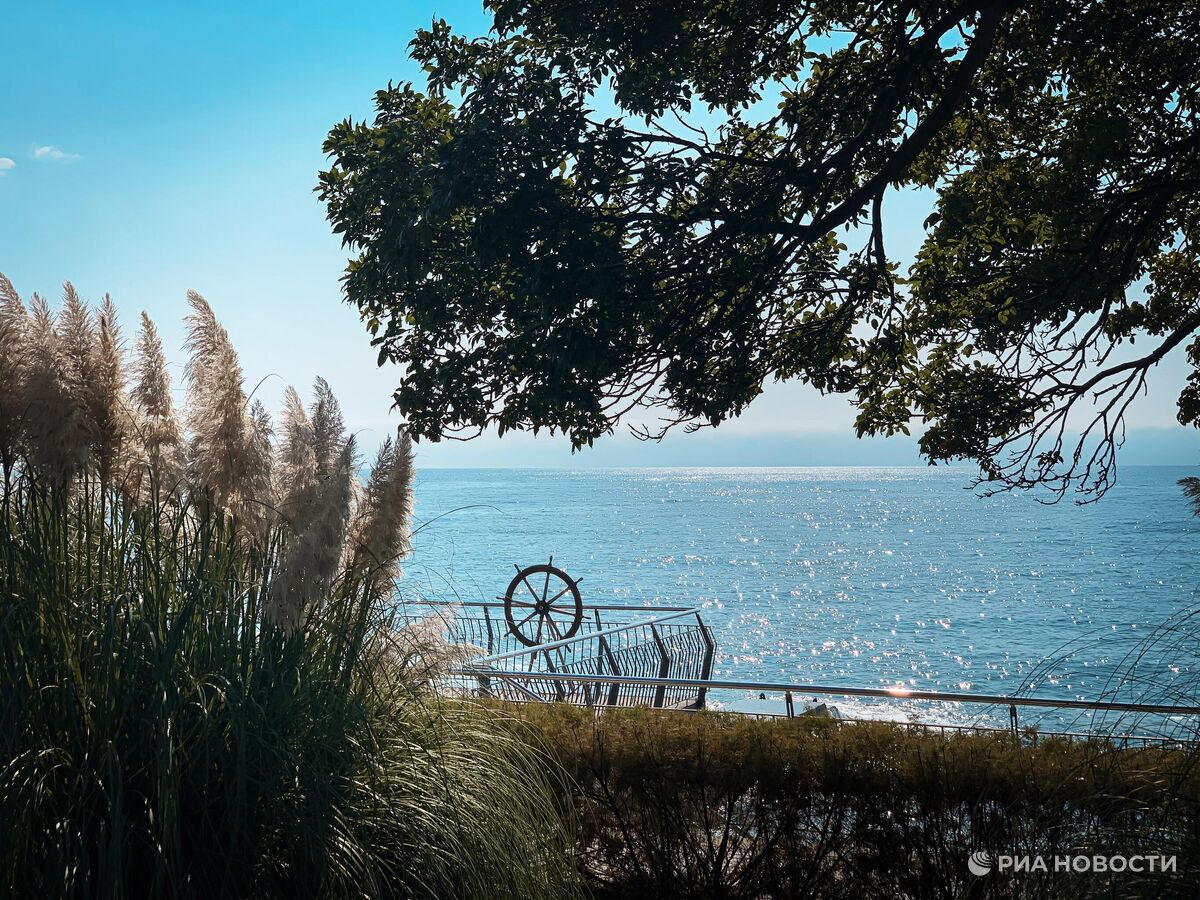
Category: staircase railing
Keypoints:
(675, 647)
(481, 624)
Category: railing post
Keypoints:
(706, 668)
(488, 620)
(664, 667)
(560, 692)
(615, 690)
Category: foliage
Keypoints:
(1191, 490)
(610, 206)
(724, 805)
(190, 707)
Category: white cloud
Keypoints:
(6, 164)
(55, 153)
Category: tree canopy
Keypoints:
(606, 207)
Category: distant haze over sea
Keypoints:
(728, 446)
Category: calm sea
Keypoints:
(848, 576)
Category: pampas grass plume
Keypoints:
(109, 412)
(379, 535)
(14, 328)
(159, 434)
(313, 549)
(55, 429)
(229, 454)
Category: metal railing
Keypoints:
(664, 661)
(572, 684)
(482, 624)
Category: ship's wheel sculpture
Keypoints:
(543, 604)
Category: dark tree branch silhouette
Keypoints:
(604, 209)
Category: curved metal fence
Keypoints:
(669, 643)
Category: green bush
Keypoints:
(721, 805)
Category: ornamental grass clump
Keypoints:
(200, 694)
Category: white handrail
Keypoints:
(896, 693)
(590, 636)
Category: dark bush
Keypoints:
(721, 805)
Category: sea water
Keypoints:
(857, 577)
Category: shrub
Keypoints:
(201, 692)
(722, 805)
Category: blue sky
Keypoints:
(146, 149)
